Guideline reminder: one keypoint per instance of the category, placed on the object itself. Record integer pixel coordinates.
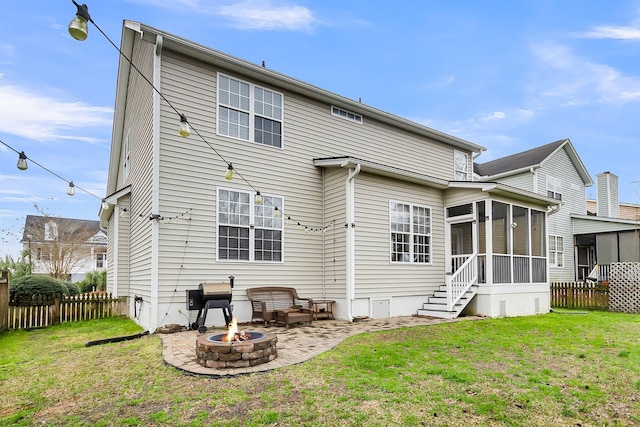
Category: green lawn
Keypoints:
(560, 369)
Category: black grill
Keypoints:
(210, 295)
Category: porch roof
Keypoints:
(494, 188)
(589, 224)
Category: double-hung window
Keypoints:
(554, 187)
(249, 112)
(248, 231)
(556, 251)
(460, 165)
(410, 227)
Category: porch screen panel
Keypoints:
(482, 242)
(607, 248)
(520, 231)
(500, 231)
(538, 234)
(629, 249)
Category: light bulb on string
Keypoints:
(79, 27)
(71, 189)
(123, 213)
(229, 175)
(258, 198)
(185, 129)
(276, 212)
(22, 161)
(105, 204)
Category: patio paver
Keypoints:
(295, 345)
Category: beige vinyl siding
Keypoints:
(139, 118)
(522, 180)
(124, 250)
(190, 172)
(375, 275)
(335, 237)
(110, 255)
(573, 201)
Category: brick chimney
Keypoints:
(607, 190)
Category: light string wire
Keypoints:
(195, 130)
(158, 217)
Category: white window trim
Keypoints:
(466, 165)
(411, 234)
(346, 114)
(251, 227)
(251, 112)
(556, 252)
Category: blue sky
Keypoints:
(508, 75)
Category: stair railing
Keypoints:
(461, 280)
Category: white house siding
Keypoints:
(376, 277)
(522, 180)
(190, 172)
(335, 237)
(560, 166)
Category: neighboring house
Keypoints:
(582, 233)
(64, 247)
(390, 209)
(609, 232)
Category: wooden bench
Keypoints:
(281, 305)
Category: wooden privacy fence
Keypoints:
(591, 295)
(41, 312)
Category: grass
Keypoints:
(559, 369)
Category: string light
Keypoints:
(22, 161)
(185, 129)
(229, 175)
(78, 27)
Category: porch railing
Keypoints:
(461, 280)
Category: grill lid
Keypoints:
(215, 289)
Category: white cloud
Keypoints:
(613, 32)
(246, 14)
(41, 118)
(258, 14)
(572, 80)
(496, 115)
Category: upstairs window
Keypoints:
(460, 165)
(410, 233)
(248, 231)
(51, 231)
(554, 188)
(100, 257)
(249, 112)
(339, 112)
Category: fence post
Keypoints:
(4, 300)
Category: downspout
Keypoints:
(350, 239)
(155, 199)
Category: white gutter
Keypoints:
(350, 239)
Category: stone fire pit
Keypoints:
(258, 348)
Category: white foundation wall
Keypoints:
(510, 301)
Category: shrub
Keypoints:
(94, 279)
(26, 287)
(72, 288)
